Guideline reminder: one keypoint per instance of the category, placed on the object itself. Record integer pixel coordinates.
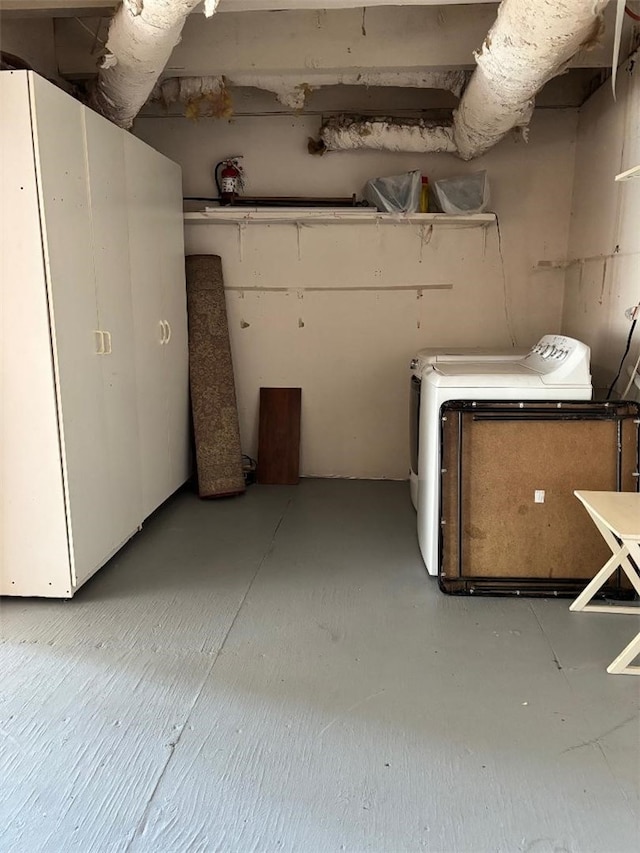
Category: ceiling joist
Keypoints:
(56, 7)
(296, 44)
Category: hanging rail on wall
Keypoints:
(544, 265)
(630, 173)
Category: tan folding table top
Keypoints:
(620, 511)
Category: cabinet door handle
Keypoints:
(99, 341)
(168, 325)
(107, 335)
(163, 333)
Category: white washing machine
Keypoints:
(556, 368)
(426, 358)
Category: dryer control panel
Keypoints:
(561, 359)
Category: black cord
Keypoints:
(249, 467)
(626, 353)
(505, 293)
(215, 175)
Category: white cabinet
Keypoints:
(34, 534)
(76, 392)
(113, 285)
(154, 207)
(176, 353)
(65, 222)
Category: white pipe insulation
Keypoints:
(292, 89)
(141, 38)
(344, 133)
(528, 45)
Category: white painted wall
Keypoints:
(604, 247)
(348, 350)
(31, 40)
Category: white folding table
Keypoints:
(617, 517)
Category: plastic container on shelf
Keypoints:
(395, 194)
(463, 194)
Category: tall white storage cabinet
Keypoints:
(159, 317)
(88, 394)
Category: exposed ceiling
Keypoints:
(330, 47)
(323, 55)
(73, 7)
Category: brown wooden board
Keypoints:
(495, 536)
(213, 393)
(279, 436)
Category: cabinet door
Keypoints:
(105, 162)
(66, 223)
(175, 308)
(34, 553)
(144, 175)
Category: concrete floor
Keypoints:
(277, 673)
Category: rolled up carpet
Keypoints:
(213, 392)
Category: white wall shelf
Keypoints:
(630, 173)
(266, 216)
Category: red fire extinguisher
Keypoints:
(231, 179)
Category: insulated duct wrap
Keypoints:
(141, 39)
(416, 136)
(292, 89)
(528, 45)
